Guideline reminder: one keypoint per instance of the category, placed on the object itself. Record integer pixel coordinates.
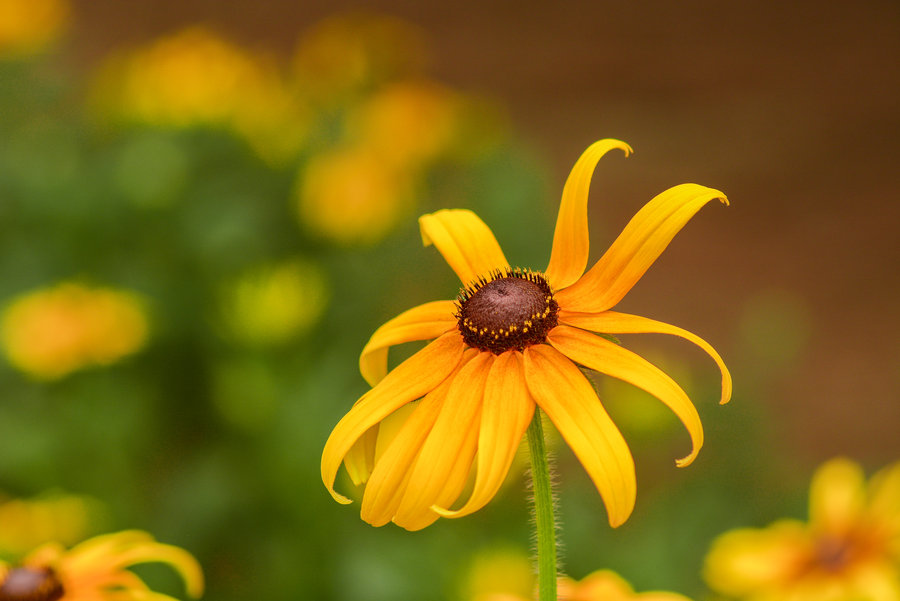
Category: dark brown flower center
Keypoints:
(31, 584)
(513, 309)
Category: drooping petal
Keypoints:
(465, 242)
(360, 459)
(611, 322)
(424, 322)
(505, 415)
(609, 358)
(569, 255)
(445, 455)
(411, 380)
(644, 238)
(388, 481)
(565, 395)
(837, 496)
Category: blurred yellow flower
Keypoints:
(52, 332)
(848, 551)
(27, 26)
(27, 523)
(514, 340)
(604, 585)
(275, 303)
(347, 53)
(407, 123)
(353, 196)
(495, 573)
(195, 77)
(95, 570)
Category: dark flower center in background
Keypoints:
(31, 584)
(513, 309)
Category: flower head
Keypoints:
(51, 332)
(27, 26)
(849, 549)
(197, 78)
(513, 340)
(95, 570)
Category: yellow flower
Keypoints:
(28, 25)
(195, 77)
(353, 196)
(604, 585)
(273, 304)
(27, 523)
(849, 550)
(347, 53)
(52, 332)
(95, 570)
(407, 123)
(498, 573)
(513, 340)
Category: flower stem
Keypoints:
(544, 520)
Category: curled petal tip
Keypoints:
(444, 513)
(340, 498)
(686, 461)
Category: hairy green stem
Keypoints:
(544, 520)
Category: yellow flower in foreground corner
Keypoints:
(849, 550)
(95, 570)
(604, 585)
(51, 332)
(513, 340)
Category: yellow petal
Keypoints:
(884, 495)
(424, 322)
(837, 496)
(644, 238)
(569, 255)
(611, 359)
(388, 481)
(446, 452)
(360, 459)
(745, 562)
(411, 380)
(179, 559)
(565, 395)
(505, 416)
(611, 322)
(466, 243)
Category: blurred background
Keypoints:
(207, 207)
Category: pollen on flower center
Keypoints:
(31, 584)
(510, 309)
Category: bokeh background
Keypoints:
(207, 207)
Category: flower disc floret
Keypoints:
(30, 584)
(510, 309)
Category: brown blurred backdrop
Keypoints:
(790, 108)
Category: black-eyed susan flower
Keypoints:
(849, 549)
(96, 570)
(513, 340)
(51, 332)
